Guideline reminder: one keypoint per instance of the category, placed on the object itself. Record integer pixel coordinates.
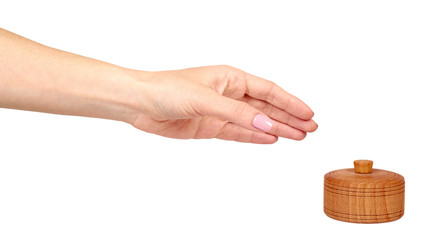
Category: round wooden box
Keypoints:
(363, 194)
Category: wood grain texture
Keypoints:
(374, 197)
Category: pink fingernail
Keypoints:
(262, 122)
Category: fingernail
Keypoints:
(262, 122)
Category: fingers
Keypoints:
(281, 115)
(287, 132)
(270, 92)
(266, 124)
(229, 109)
(247, 116)
(234, 132)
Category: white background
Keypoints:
(367, 68)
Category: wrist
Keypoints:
(137, 98)
(129, 99)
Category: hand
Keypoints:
(220, 102)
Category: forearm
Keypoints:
(38, 78)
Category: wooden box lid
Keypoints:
(363, 194)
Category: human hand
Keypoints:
(219, 102)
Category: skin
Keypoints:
(204, 102)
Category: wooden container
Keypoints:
(363, 194)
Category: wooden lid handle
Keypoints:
(363, 166)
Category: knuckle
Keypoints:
(230, 72)
(225, 67)
(234, 86)
(270, 93)
(238, 109)
(269, 109)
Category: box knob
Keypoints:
(363, 166)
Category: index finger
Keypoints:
(270, 92)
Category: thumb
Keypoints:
(238, 112)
